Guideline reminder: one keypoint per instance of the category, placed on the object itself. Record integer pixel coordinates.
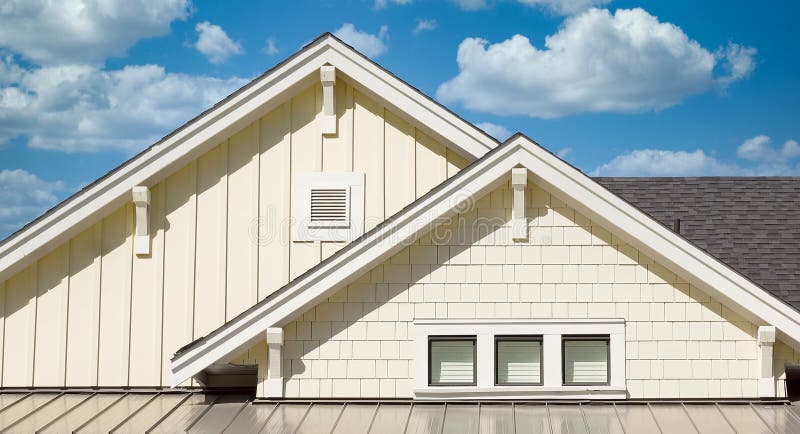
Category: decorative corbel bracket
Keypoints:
(519, 224)
(141, 201)
(327, 74)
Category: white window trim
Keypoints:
(303, 183)
(552, 383)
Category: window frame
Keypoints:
(585, 337)
(518, 338)
(446, 338)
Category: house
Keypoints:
(329, 232)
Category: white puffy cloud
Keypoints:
(24, 196)
(499, 132)
(564, 7)
(76, 108)
(757, 158)
(366, 43)
(270, 48)
(214, 43)
(760, 149)
(656, 162)
(51, 32)
(471, 5)
(424, 25)
(596, 62)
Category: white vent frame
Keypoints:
(304, 229)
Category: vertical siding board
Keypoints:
(400, 182)
(242, 214)
(178, 265)
(368, 155)
(84, 308)
(431, 163)
(51, 318)
(274, 228)
(115, 319)
(146, 301)
(209, 297)
(115, 298)
(20, 326)
(337, 149)
(306, 156)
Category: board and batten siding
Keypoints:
(91, 313)
(680, 343)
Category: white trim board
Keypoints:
(569, 184)
(235, 112)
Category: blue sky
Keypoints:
(668, 88)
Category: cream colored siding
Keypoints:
(147, 298)
(91, 313)
(680, 343)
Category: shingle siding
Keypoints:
(680, 342)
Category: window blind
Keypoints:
(586, 361)
(519, 362)
(452, 362)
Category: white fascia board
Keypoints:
(205, 132)
(672, 251)
(313, 287)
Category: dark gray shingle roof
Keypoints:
(751, 224)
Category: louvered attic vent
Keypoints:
(330, 207)
(327, 206)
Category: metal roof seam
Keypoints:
(167, 414)
(202, 413)
(99, 413)
(338, 417)
(236, 415)
(48, 424)
(696, 429)
(133, 413)
(716, 405)
(303, 419)
(16, 422)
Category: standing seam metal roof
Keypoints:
(188, 411)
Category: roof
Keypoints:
(750, 223)
(599, 204)
(170, 411)
(200, 134)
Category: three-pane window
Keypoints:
(452, 361)
(518, 360)
(585, 360)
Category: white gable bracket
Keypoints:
(141, 200)
(519, 224)
(327, 75)
(766, 378)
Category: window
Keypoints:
(518, 360)
(327, 206)
(586, 360)
(451, 361)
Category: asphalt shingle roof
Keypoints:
(751, 224)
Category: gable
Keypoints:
(93, 313)
(359, 342)
(585, 196)
(199, 135)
